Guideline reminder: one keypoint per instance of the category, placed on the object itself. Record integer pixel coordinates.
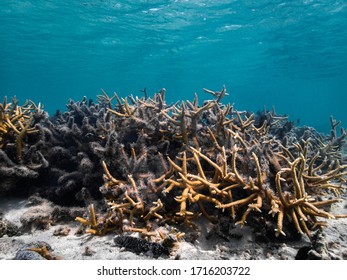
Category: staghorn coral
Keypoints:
(18, 134)
(172, 163)
(218, 162)
(61, 162)
(15, 123)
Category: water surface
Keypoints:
(287, 54)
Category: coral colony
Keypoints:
(158, 169)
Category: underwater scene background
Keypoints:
(287, 54)
(171, 123)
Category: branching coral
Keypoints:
(15, 123)
(304, 209)
(223, 161)
(171, 163)
(18, 136)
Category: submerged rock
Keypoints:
(27, 251)
(28, 255)
(138, 246)
(62, 231)
(37, 218)
(8, 228)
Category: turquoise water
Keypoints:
(292, 55)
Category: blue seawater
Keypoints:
(287, 54)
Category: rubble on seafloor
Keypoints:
(144, 167)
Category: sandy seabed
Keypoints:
(64, 242)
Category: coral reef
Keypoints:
(162, 167)
(16, 122)
(17, 133)
(215, 161)
(60, 162)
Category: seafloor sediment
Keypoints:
(165, 180)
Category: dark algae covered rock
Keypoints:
(138, 245)
(8, 228)
(39, 250)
